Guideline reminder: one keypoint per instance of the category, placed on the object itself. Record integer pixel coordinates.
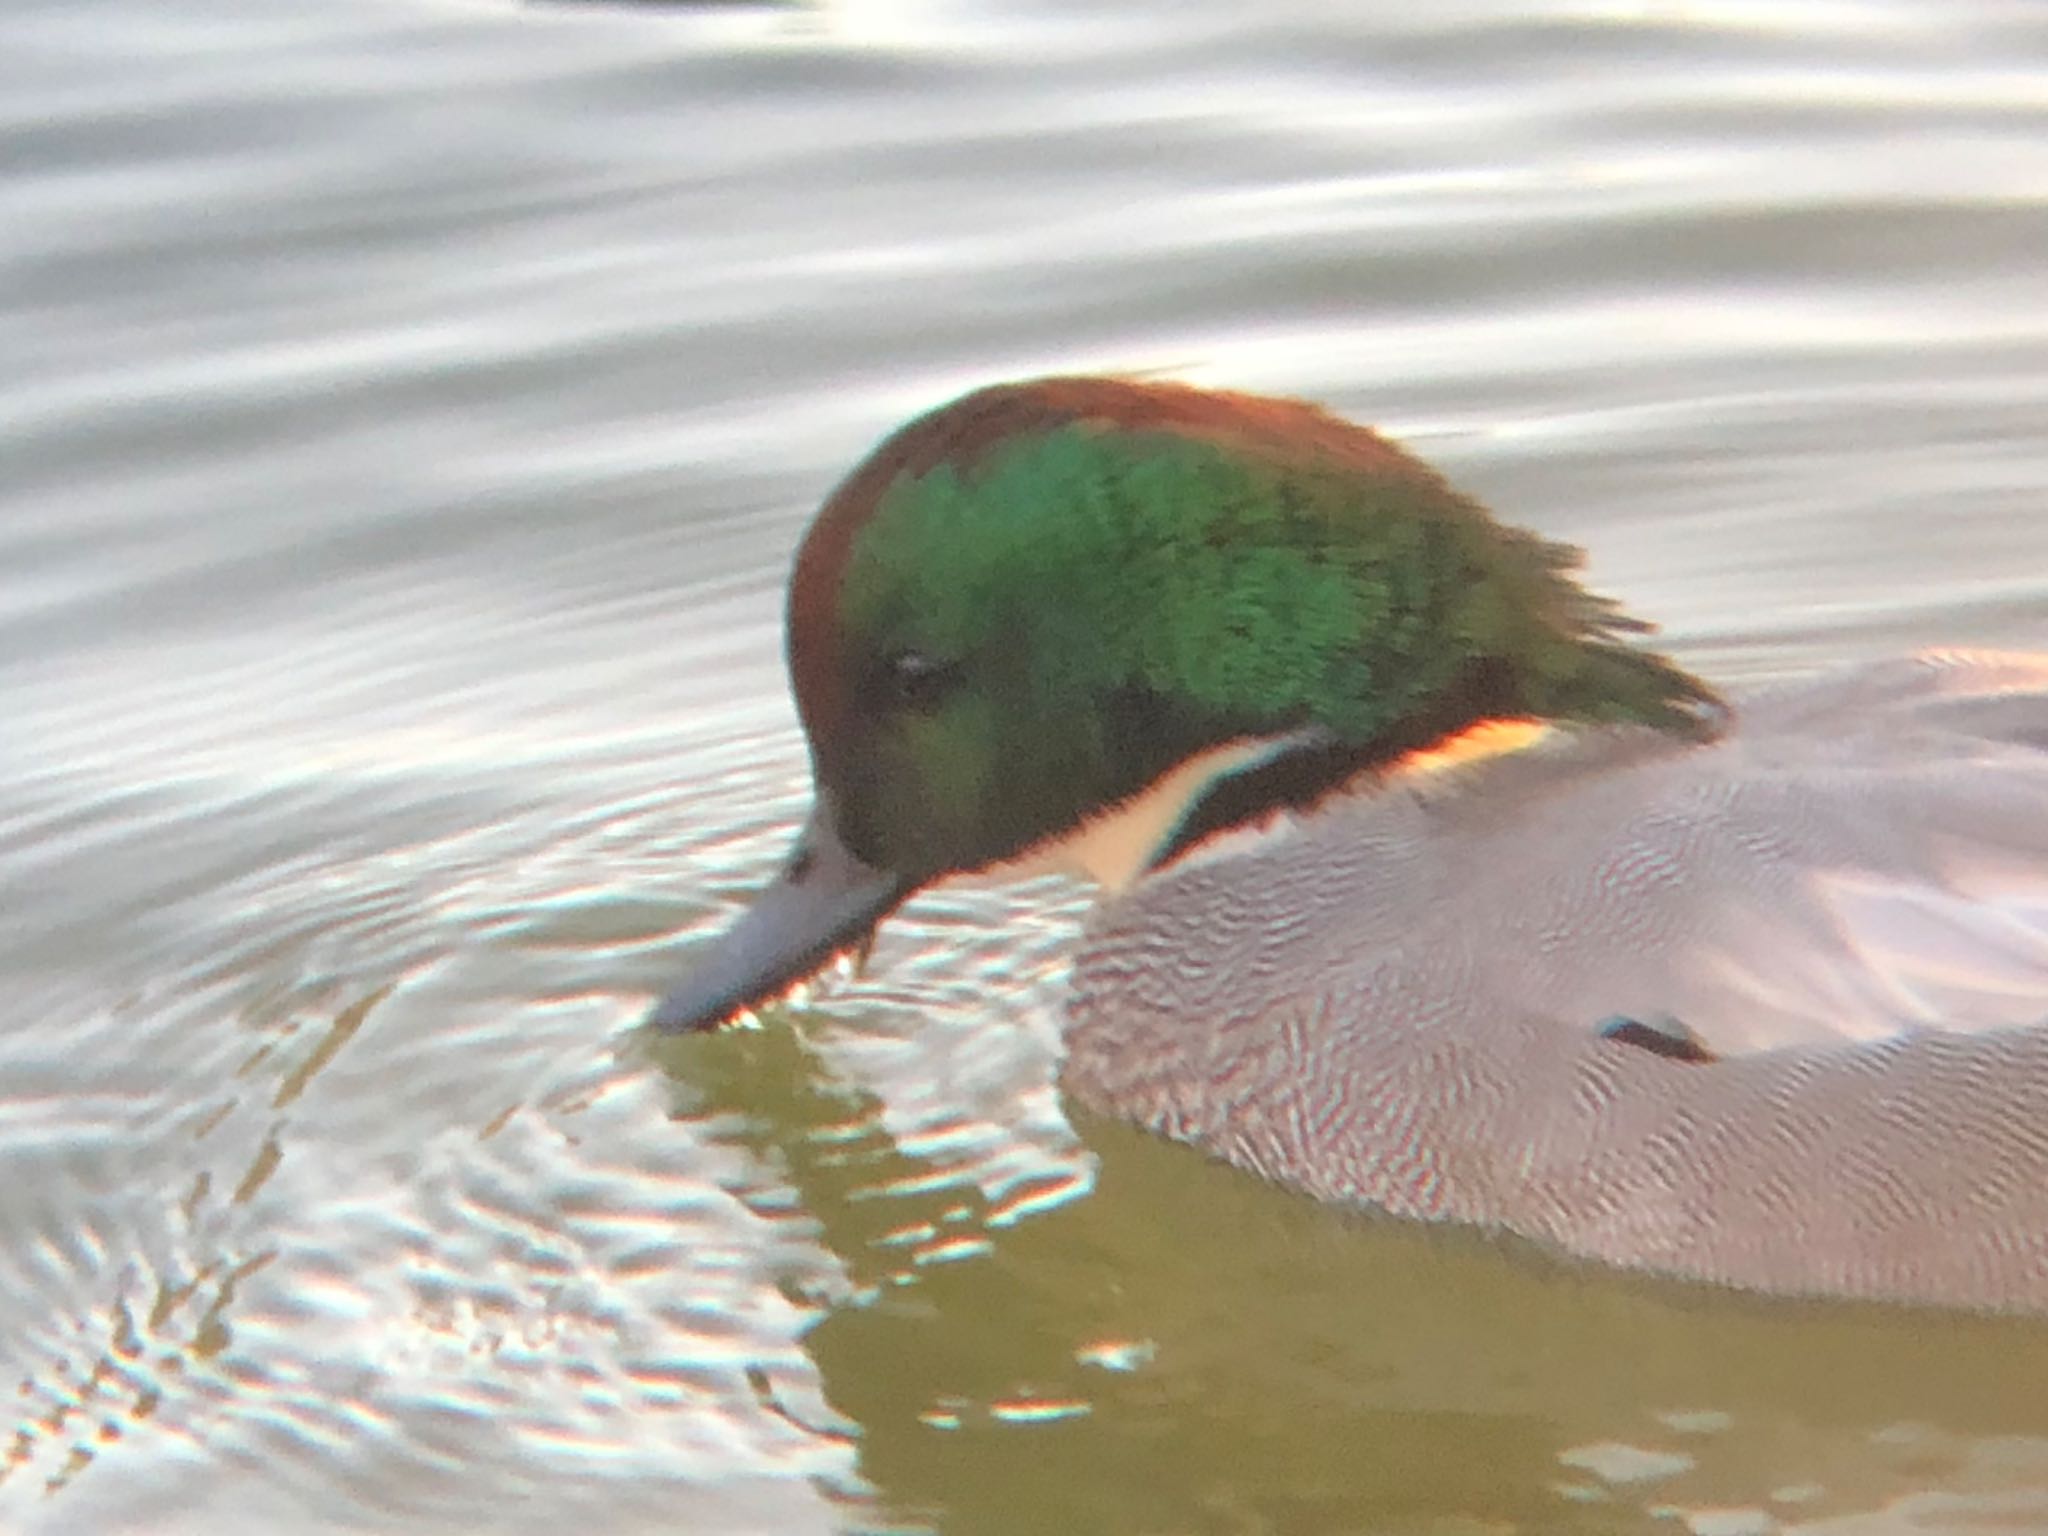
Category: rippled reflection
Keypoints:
(410, 407)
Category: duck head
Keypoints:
(1051, 601)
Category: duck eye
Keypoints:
(919, 681)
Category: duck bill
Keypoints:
(825, 902)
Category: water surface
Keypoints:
(410, 409)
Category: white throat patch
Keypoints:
(1113, 847)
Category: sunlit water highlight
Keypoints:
(409, 411)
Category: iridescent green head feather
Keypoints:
(1031, 603)
(1028, 606)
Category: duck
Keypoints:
(1428, 886)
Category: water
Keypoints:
(409, 411)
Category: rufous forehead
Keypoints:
(963, 433)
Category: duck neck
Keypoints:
(1244, 782)
(1488, 713)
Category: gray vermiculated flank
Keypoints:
(1397, 1001)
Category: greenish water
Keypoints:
(410, 410)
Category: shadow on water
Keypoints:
(1185, 1348)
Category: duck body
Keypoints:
(1430, 889)
(1407, 998)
